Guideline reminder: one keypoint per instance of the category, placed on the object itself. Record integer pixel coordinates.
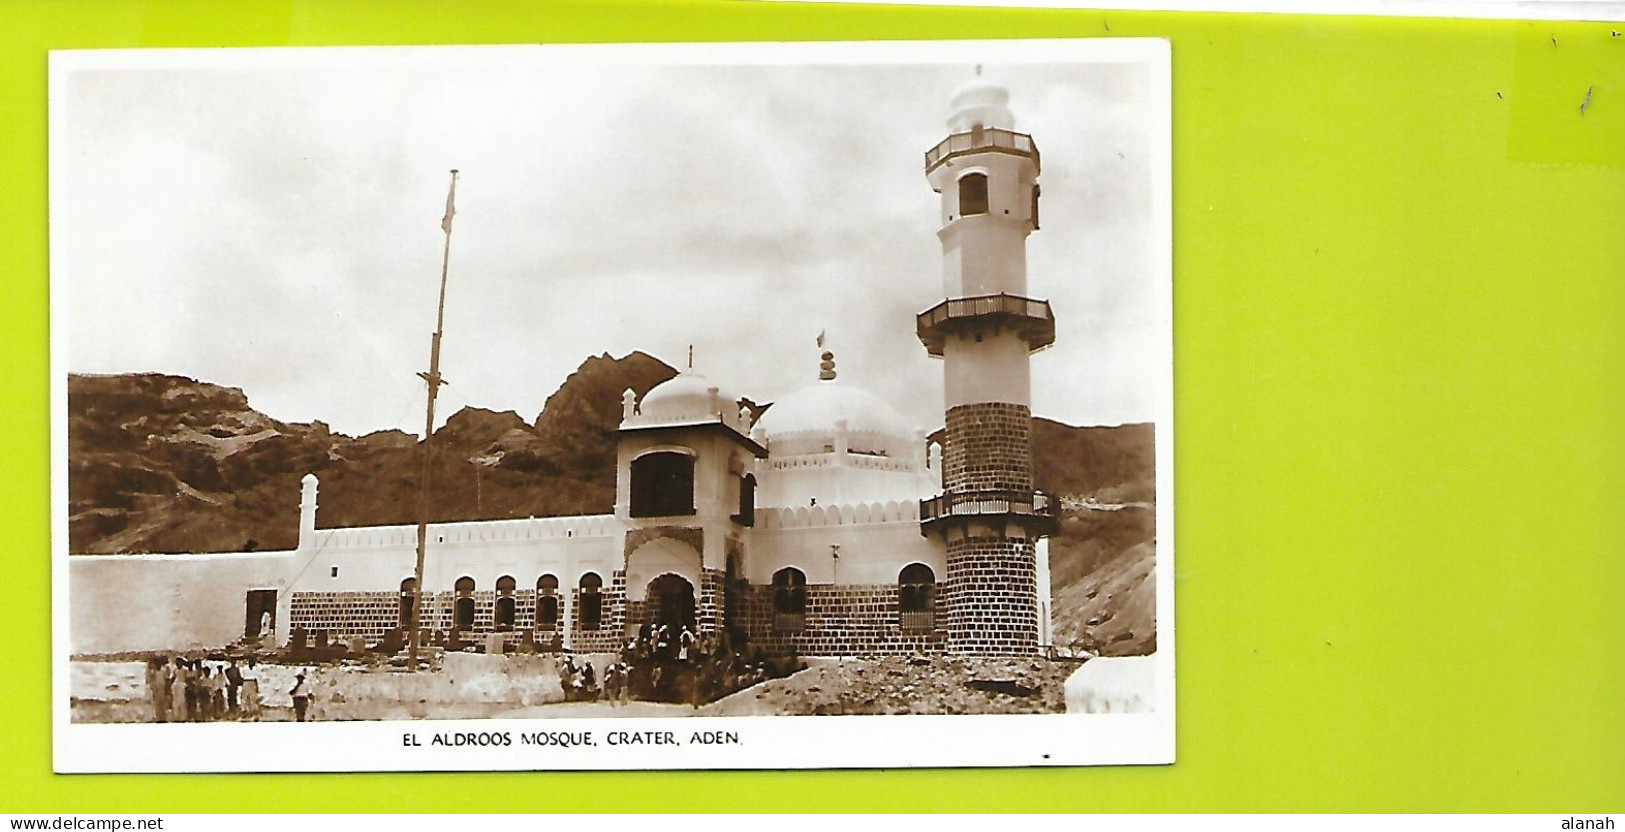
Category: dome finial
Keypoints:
(826, 365)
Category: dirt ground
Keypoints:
(908, 685)
(112, 692)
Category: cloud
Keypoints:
(275, 228)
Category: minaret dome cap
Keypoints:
(980, 92)
(980, 101)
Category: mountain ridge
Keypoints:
(167, 463)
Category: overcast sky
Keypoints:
(273, 225)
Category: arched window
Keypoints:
(503, 616)
(789, 599)
(917, 598)
(663, 485)
(592, 601)
(972, 194)
(547, 601)
(463, 607)
(747, 501)
(409, 589)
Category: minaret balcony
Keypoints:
(1031, 507)
(995, 139)
(1032, 319)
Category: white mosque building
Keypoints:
(825, 525)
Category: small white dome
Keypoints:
(979, 92)
(807, 420)
(685, 397)
(980, 101)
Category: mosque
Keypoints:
(823, 525)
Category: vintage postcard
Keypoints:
(612, 407)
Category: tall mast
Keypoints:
(433, 380)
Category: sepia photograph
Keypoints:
(665, 406)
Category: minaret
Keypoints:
(988, 515)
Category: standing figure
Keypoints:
(625, 690)
(178, 711)
(685, 642)
(234, 685)
(217, 692)
(203, 692)
(612, 682)
(249, 696)
(567, 677)
(156, 690)
(589, 682)
(194, 708)
(301, 697)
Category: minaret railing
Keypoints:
(991, 138)
(1034, 316)
(978, 503)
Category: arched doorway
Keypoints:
(670, 602)
(409, 594)
(463, 606)
(917, 598)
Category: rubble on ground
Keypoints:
(908, 685)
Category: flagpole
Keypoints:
(433, 380)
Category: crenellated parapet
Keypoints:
(476, 531)
(868, 462)
(801, 517)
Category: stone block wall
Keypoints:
(844, 620)
(708, 600)
(988, 448)
(370, 615)
(991, 595)
(346, 615)
(610, 633)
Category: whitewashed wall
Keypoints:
(165, 602)
(876, 540)
(378, 558)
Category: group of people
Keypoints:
(649, 665)
(203, 690)
(660, 642)
(671, 663)
(581, 683)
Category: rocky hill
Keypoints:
(1102, 562)
(162, 463)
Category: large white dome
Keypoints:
(807, 420)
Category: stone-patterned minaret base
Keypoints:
(991, 585)
(991, 594)
(986, 448)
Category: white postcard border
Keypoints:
(764, 742)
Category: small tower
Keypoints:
(988, 514)
(684, 497)
(307, 511)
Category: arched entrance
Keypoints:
(670, 601)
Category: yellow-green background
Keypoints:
(1399, 283)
